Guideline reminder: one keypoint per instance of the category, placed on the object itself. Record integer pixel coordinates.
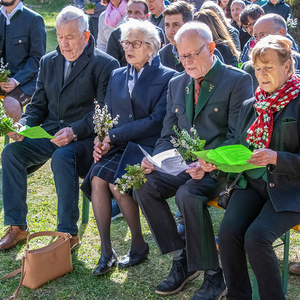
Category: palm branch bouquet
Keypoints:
(4, 72)
(103, 121)
(6, 123)
(186, 143)
(89, 5)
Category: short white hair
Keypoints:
(70, 13)
(200, 28)
(148, 30)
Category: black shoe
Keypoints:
(213, 287)
(106, 264)
(132, 258)
(177, 278)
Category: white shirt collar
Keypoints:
(9, 16)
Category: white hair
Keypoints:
(148, 30)
(202, 30)
(70, 13)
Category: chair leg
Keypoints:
(255, 294)
(6, 140)
(284, 278)
(85, 209)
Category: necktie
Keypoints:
(69, 69)
(197, 88)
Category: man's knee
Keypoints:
(62, 156)
(12, 108)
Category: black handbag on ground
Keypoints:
(224, 196)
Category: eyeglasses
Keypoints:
(135, 44)
(246, 27)
(191, 56)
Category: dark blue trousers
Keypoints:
(17, 158)
(250, 226)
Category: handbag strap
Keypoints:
(235, 180)
(46, 233)
(15, 295)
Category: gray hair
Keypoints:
(148, 30)
(70, 13)
(278, 21)
(202, 30)
(239, 2)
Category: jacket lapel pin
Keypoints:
(211, 86)
(187, 90)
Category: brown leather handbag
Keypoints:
(46, 263)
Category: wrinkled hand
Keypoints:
(99, 152)
(8, 87)
(147, 165)
(15, 136)
(63, 137)
(206, 166)
(263, 157)
(196, 171)
(89, 11)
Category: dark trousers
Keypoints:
(251, 225)
(17, 158)
(191, 197)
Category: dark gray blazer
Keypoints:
(57, 104)
(217, 109)
(284, 178)
(25, 44)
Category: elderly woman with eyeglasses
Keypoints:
(137, 93)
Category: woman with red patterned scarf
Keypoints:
(269, 205)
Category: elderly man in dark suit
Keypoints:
(205, 98)
(264, 26)
(69, 80)
(22, 44)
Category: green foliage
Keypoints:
(89, 5)
(186, 143)
(134, 178)
(4, 73)
(5, 121)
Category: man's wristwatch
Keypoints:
(74, 135)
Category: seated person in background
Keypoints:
(201, 96)
(270, 204)
(236, 8)
(234, 33)
(277, 7)
(225, 5)
(22, 48)
(140, 101)
(264, 26)
(220, 34)
(249, 15)
(136, 9)
(156, 8)
(93, 14)
(175, 15)
(113, 16)
(63, 105)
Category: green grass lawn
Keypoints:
(134, 283)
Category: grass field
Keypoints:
(136, 283)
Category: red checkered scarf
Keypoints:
(260, 132)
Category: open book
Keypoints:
(169, 161)
(231, 158)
